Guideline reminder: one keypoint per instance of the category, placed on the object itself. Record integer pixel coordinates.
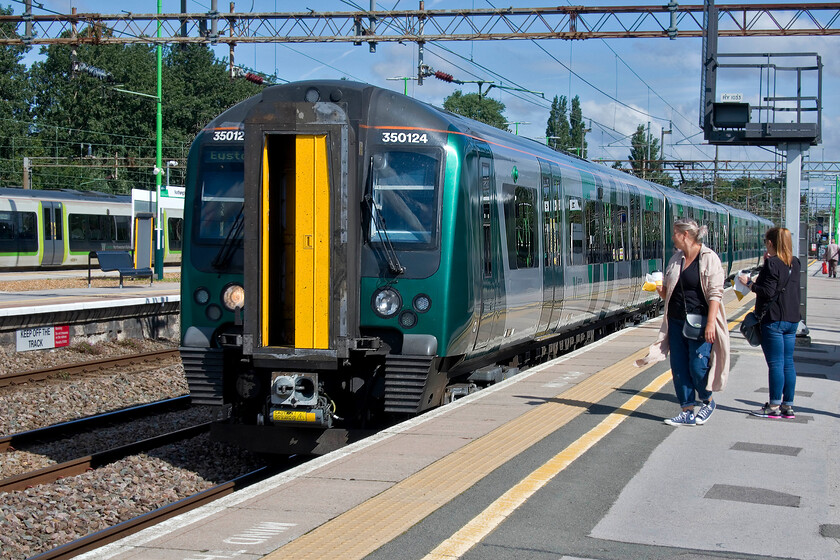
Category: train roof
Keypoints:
(63, 194)
(383, 102)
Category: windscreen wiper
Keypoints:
(225, 254)
(394, 264)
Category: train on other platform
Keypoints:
(59, 228)
(352, 254)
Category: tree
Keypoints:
(474, 106)
(557, 130)
(578, 129)
(645, 160)
(14, 111)
(111, 133)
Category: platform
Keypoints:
(36, 301)
(567, 460)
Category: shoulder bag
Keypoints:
(751, 325)
(694, 327)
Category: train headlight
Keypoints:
(233, 296)
(408, 319)
(386, 302)
(213, 312)
(201, 296)
(422, 303)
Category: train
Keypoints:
(49, 229)
(353, 256)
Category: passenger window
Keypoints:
(576, 234)
(526, 227)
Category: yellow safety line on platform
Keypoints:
(484, 523)
(361, 530)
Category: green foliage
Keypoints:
(566, 132)
(557, 130)
(645, 158)
(473, 106)
(578, 129)
(86, 135)
(14, 110)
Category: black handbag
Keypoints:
(751, 325)
(751, 328)
(694, 327)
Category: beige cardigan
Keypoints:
(711, 281)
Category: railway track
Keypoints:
(90, 423)
(89, 366)
(121, 530)
(55, 472)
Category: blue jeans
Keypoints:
(777, 341)
(689, 365)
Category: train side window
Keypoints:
(123, 228)
(576, 234)
(8, 225)
(620, 232)
(525, 200)
(593, 219)
(59, 232)
(175, 233)
(635, 232)
(608, 227)
(486, 219)
(653, 237)
(28, 225)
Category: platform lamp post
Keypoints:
(159, 150)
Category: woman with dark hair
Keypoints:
(693, 285)
(777, 303)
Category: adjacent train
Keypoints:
(351, 254)
(58, 229)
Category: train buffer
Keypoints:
(122, 262)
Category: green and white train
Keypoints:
(58, 229)
(351, 253)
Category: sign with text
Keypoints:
(42, 338)
(731, 97)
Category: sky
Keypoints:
(654, 80)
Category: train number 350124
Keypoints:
(404, 138)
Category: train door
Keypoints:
(491, 274)
(557, 234)
(53, 254)
(549, 267)
(635, 220)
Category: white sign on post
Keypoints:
(42, 338)
(731, 97)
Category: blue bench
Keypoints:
(122, 262)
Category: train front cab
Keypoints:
(299, 266)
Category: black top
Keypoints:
(695, 301)
(774, 276)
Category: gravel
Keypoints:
(43, 517)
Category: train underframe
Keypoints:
(280, 410)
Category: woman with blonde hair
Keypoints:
(777, 303)
(693, 286)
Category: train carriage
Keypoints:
(351, 254)
(58, 229)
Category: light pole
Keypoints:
(159, 150)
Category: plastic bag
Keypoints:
(652, 280)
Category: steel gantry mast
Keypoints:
(562, 22)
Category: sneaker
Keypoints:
(767, 411)
(684, 418)
(787, 411)
(705, 412)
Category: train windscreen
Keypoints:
(222, 193)
(404, 190)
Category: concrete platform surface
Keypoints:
(569, 459)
